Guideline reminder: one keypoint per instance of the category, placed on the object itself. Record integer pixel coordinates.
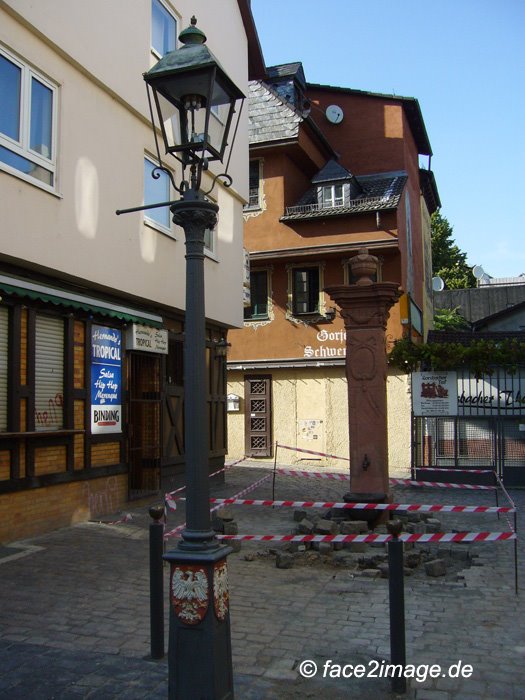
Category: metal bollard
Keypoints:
(396, 589)
(156, 582)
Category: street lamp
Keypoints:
(193, 101)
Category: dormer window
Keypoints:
(331, 196)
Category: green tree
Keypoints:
(449, 320)
(448, 261)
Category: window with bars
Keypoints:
(254, 197)
(258, 308)
(305, 290)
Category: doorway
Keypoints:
(144, 425)
(258, 416)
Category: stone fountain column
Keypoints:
(365, 307)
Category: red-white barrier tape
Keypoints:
(439, 484)
(125, 519)
(313, 475)
(170, 502)
(310, 452)
(248, 489)
(409, 507)
(405, 537)
(453, 469)
(505, 492)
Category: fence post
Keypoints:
(396, 591)
(156, 582)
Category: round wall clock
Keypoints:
(334, 114)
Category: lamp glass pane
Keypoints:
(171, 121)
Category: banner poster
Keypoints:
(106, 380)
(434, 393)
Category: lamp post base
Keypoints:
(199, 656)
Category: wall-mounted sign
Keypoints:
(331, 344)
(106, 380)
(147, 339)
(434, 393)
(463, 394)
(499, 393)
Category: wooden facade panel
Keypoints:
(50, 460)
(78, 358)
(78, 415)
(5, 465)
(105, 453)
(78, 447)
(23, 415)
(23, 348)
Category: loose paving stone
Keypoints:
(436, 567)
(88, 585)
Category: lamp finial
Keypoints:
(192, 34)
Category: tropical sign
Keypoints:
(106, 380)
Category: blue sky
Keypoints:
(464, 60)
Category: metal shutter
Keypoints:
(3, 367)
(49, 372)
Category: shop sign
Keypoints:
(452, 394)
(434, 393)
(499, 393)
(147, 339)
(106, 380)
(331, 344)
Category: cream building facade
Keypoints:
(76, 144)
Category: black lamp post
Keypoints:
(194, 103)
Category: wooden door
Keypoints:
(258, 415)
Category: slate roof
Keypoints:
(331, 172)
(379, 192)
(270, 118)
(284, 70)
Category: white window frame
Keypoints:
(148, 221)
(330, 202)
(170, 12)
(210, 242)
(22, 147)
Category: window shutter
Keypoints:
(3, 367)
(49, 372)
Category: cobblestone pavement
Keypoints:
(74, 612)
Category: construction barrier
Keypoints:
(440, 484)
(408, 507)
(309, 452)
(169, 501)
(453, 469)
(248, 489)
(404, 537)
(312, 475)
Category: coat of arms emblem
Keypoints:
(189, 593)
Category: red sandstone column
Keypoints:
(365, 308)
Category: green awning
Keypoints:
(59, 297)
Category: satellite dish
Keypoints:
(478, 271)
(437, 284)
